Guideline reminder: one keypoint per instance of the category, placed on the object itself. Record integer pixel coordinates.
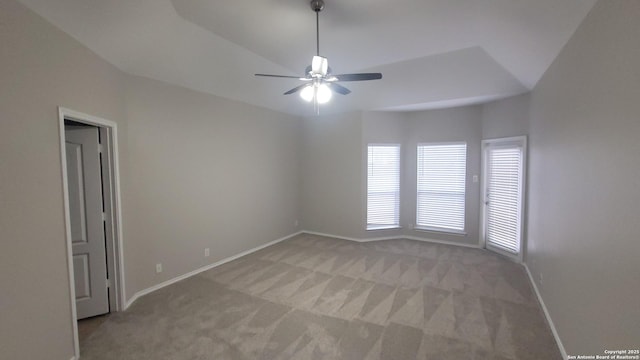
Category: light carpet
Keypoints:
(313, 297)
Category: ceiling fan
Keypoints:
(320, 83)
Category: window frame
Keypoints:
(373, 227)
(436, 229)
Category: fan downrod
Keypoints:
(317, 5)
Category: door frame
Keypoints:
(483, 193)
(115, 257)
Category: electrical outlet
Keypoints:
(206, 252)
(158, 268)
(475, 178)
(540, 278)
(295, 223)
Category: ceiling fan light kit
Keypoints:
(321, 93)
(320, 83)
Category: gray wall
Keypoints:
(331, 190)
(384, 128)
(505, 118)
(334, 168)
(40, 69)
(584, 183)
(457, 124)
(205, 173)
(202, 172)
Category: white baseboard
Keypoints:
(563, 352)
(443, 242)
(204, 268)
(417, 238)
(333, 236)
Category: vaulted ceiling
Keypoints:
(433, 53)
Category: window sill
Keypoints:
(441, 231)
(383, 227)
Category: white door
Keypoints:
(503, 168)
(86, 217)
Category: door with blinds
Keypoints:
(503, 191)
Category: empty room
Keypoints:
(319, 179)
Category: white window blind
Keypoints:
(383, 186)
(442, 170)
(503, 196)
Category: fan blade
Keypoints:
(358, 77)
(280, 76)
(296, 89)
(339, 88)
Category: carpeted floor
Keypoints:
(86, 327)
(313, 297)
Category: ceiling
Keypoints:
(432, 53)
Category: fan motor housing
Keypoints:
(317, 5)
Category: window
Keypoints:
(442, 170)
(383, 187)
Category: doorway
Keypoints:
(89, 221)
(91, 188)
(503, 169)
